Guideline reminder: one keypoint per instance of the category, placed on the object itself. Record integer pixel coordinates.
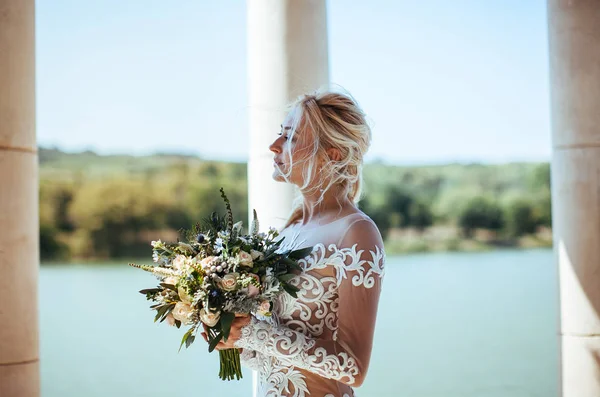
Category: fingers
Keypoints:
(224, 346)
(221, 345)
(241, 321)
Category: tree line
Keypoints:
(95, 206)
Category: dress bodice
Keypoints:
(319, 343)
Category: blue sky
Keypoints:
(442, 81)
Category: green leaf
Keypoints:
(167, 311)
(189, 341)
(301, 253)
(185, 336)
(214, 342)
(160, 312)
(290, 289)
(226, 321)
(150, 291)
(169, 286)
(286, 277)
(178, 324)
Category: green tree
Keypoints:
(50, 246)
(420, 215)
(520, 218)
(378, 214)
(110, 214)
(398, 201)
(543, 208)
(480, 213)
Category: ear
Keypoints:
(334, 154)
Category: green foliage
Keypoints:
(112, 206)
(113, 212)
(520, 218)
(50, 247)
(480, 213)
(542, 207)
(378, 214)
(420, 215)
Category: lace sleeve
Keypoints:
(346, 356)
(250, 359)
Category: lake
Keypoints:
(449, 325)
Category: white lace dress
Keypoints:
(320, 343)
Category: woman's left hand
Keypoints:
(234, 335)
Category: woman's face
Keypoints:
(298, 145)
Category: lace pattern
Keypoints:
(316, 339)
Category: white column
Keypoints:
(574, 36)
(19, 359)
(287, 56)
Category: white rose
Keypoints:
(206, 262)
(183, 295)
(264, 308)
(179, 261)
(256, 255)
(209, 318)
(182, 312)
(245, 259)
(229, 282)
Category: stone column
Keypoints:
(574, 36)
(19, 359)
(287, 56)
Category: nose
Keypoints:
(275, 147)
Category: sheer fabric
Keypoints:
(320, 343)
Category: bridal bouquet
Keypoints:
(216, 273)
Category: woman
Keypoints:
(320, 343)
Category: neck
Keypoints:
(330, 203)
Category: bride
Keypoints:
(319, 344)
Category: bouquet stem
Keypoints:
(230, 364)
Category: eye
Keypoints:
(284, 136)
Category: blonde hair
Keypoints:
(334, 120)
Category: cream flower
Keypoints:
(156, 244)
(170, 280)
(229, 282)
(178, 262)
(264, 308)
(245, 259)
(183, 295)
(182, 312)
(209, 318)
(206, 262)
(256, 254)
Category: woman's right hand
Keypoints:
(240, 321)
